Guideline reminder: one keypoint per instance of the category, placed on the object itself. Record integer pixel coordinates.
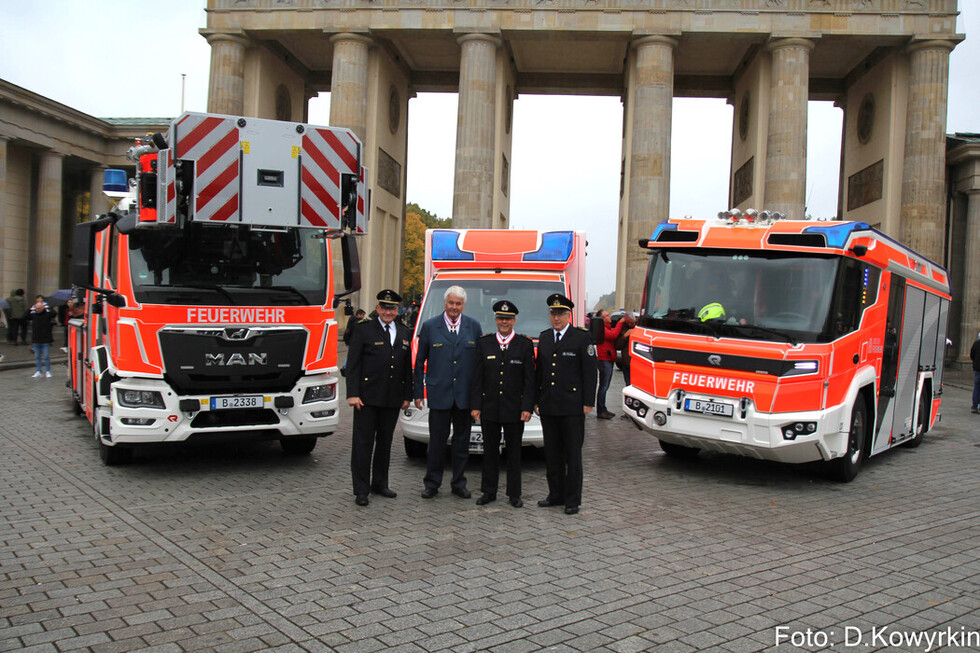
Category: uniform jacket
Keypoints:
(381, 375)
(450, 359)
(503, 381)
(566, 372)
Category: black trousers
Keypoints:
(439, 423)
(563, 438)
(513, 434)
(373, 428)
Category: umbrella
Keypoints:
(60, 296)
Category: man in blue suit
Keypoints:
(443, 369)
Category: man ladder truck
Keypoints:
(209, 287)
(792, 341)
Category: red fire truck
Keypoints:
(793, 341)
(493, 264)
(209, 287)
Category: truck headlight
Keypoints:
(324, 392)
(140, 398)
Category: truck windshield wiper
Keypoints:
(215, 288)
(761, 329)
(291, 290)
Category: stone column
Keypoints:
(924, 170)
(786, 141)
(349, 82)
(649, 164)
(473, 184)
(3, 210)
(97, 203)
(47, 240)
(226, 92)
(970, 318)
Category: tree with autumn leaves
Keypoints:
(417, 220)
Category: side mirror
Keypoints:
(352, 266)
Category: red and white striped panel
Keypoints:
(327, 153)
(213, 143)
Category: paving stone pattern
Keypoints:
(240, 548)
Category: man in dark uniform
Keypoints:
(379, 384)
(444, 364)
(566, 379)
(503, 398)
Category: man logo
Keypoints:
(714, 359)
(221, 360)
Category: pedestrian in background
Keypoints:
(379, 384)
(42, 332)
(16, 325)
(502, 399)
(566, 382)
(606, 353)
(975, 357)
(444, 366)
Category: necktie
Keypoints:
(388, 332)
(557, 336)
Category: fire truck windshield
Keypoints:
(762, 295)
(481, 294)
(228, 266)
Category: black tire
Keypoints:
(678, 451)
(415, 449)
(298, 445)
(110, 455)
(845, 468)
(922, 423)
(76, 407)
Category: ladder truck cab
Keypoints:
(209, 287)
(523, 267)
(792, 341)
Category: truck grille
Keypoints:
(232, 359)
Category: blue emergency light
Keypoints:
(114, 181)
(555, 246)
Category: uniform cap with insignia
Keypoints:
(389, 297)
(504, 308)
(558, 302)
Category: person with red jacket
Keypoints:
(606, 353)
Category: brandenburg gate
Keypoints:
(884, 62)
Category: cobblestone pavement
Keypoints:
(239, 548)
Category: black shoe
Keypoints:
(429, 492)
(462, 492)
(605, 415)
(485, 499)
(517, 503)
(385, 492)
(361, 500)
(548, 502)
(571, 510)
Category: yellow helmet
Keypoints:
(712, 311)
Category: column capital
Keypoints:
(654, 39)
(789, 42)
(930, 44)
(352, 36)
(215, 36)
(496, 41)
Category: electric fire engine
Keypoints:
(209, 287)
(793, 341)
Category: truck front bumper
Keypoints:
(747, 432)
(175, 418)
(415, 426)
